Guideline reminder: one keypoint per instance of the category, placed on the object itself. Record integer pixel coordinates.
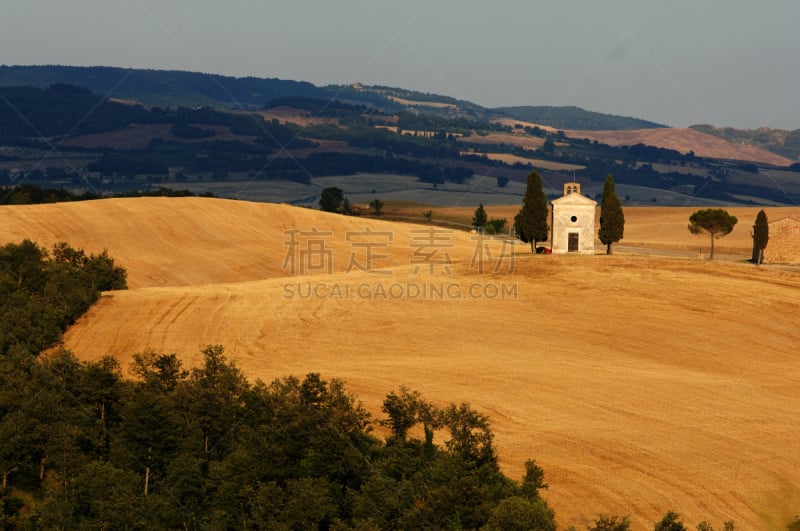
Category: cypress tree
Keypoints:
(531, 221)
(612, 219)
(479, 220)
(760, 237)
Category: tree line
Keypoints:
(84, 448)
(204, 448)
(43, 293)
(30, 194)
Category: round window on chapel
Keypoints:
(573, 219)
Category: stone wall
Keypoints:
(784, 241)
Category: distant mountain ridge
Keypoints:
(61, 110)
(161, 87)
(571, 117)
(187, 89)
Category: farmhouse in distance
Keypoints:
(784, 241)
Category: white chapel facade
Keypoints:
(572, 222)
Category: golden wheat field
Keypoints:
(684, 140)
(679, 139)
(640, 384)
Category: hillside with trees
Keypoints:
(575, 118)
(782, 142)
(192, 449)
(61, 110)
(64, 136)
(41, 294)
(160, 87)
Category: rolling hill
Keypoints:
(160, 87)
(142, 232)
(684, 141)
(292, 134)
(639, 384)
(179, 88)
(782, 142)
(575, 118)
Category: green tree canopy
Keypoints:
(611, 523)
(760, 237)
(517, 513)
(612, 219)
(715, 222)
(331, 199)
(670, 522)
(531, 221)
(495, 226)
(41, 295)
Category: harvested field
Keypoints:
(295, 116)
(510, 159)
(181, 241)
(639, 384)
(523, 141)
(684, 140)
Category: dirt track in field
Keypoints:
(640, 384)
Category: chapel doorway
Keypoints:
(572, 245)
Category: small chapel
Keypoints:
(572, 222)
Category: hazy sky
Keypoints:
(678, 62)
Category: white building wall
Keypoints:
(573, 214)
